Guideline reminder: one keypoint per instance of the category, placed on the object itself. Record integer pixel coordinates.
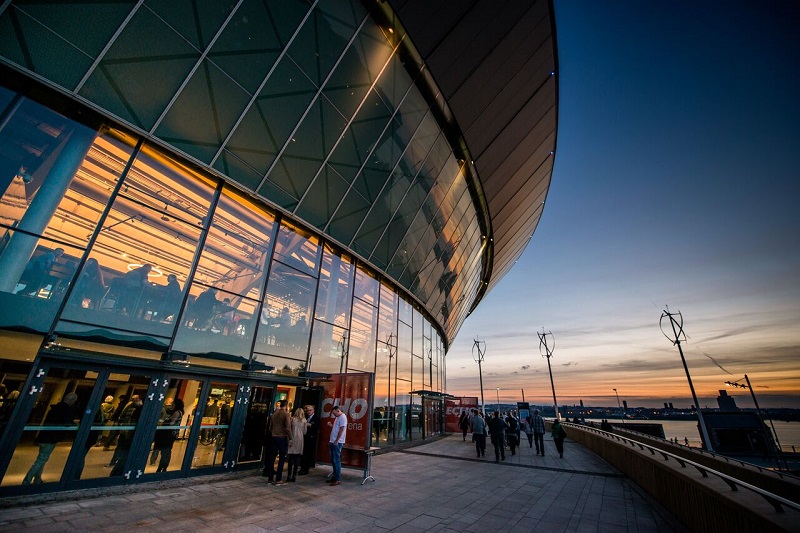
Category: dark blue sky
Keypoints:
(676, 182)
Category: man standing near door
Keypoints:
(281, 427)
(338, 436)
(308, 460)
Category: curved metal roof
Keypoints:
(495, 63)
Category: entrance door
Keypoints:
(170, 442)
(259, 408)
(65, 422)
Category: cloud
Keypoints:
(525, 367)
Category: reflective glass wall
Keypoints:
(312, 105)
(105, 237)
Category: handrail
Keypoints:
(727, 459)
(776, 501)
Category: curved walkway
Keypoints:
(433, 487)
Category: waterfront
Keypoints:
(788, 432)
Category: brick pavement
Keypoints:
(439, 486)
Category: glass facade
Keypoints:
(310, 105)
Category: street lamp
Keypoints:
(622, 413)
(480, 348)
(678, 335)
(548, 353)
(779, 451)
(498, 398)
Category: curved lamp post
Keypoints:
(547, 351)
(622, 413)
(478, 351)
(678, 335)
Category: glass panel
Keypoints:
(50, 431)
(237, 246)
(145, 249)
(132, 393)
(29, 40)
(254, 37)
(387, 325)
(278, 365)
(174, 425)
(403, 412)
(204, 113)
(297, 248)
(216, 324)
(104, 436)
(363, 334)
(328, 349)
(255, 424)
(197, 22)
(403, 351)
(147, 49)
(357, 69)
(383, 396)
(283, 328)
(348, 217)
(15, 374)
(323, 37)
(334, 296)
(303, 156)
(267, 124)
(362, 135)
(366, 286)
(323, 198)
(416, 347)
(215, 425)
(37, 292)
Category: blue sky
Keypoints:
(676, 182)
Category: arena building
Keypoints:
(226, 203)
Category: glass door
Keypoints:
(259, 407)
(169, 445)
(69, 433)
(215, 415)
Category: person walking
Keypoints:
(463, 424)
(497, 430)
(528, 429)
(478, 427)
(537, 426)
(338, 437)
(281, 427)
(512, 427)
(165, 438)
(559, 435)
(60, 414)
(299, 428)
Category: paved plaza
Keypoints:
(438, 486)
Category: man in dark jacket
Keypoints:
(60, 414)
(309, 441)
(281, 427)
(497, 430)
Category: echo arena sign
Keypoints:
(454, 408)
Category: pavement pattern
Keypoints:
(440, 486)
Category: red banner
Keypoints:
(353, 393)
(453, 409)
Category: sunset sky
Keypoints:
(676, 182)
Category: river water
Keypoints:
(788, 432)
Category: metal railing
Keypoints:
(778, 502)
(764, 470)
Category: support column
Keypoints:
(21, 246)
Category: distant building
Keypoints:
(726, 403)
